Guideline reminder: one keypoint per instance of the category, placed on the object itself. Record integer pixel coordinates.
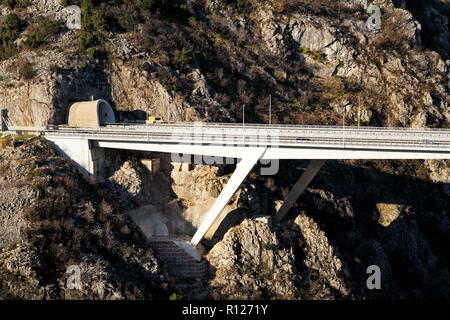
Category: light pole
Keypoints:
(343, 126)
(243, 123)
(359, 110)
(270, 109)
(168, 114)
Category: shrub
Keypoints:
(98, 22)
(147, 5)
(9, 32)
(127, 21)
(25, 69)
(12, 4)
(279, 6)
(85, 39)
(184, 58)
(42, 32)
(91, 52)
(12, 26)
(55, 68)
(393, 36)
(313, 54)
(175, 297)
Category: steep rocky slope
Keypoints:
(353, 215)
(204, 59)
(51, 219)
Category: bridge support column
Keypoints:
(4, 115)
(306, 178)
(243, 168)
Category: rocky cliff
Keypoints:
(313, 58)
(190, 60)
(51, 219)
(352, 216)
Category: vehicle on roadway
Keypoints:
(154, 120)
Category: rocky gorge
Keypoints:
(199, 60)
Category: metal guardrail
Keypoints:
(132, 126)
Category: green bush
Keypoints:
(12, 26)
(175, 297)
(127, 21)
(85, 39)
(55, 68)
(25, 69)
(146, 5)
(12, 4)
(184, 58)
(149, 5)
(41, 33)
(9, 31)
(98, 22)
(313, 54)
(91, 52)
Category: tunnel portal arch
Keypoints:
(90, 114)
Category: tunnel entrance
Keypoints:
(105, 113)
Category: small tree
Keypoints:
(184, 58)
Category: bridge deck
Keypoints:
(431, 140)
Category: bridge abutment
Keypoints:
(89, 159)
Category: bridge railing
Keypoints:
(271, 126)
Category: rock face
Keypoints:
(399, 84)
(250, 264)
(342, 226)
(16, 196)
(434, 17)
(127, 183)
(388, 213)
(354, 57)
(322, 258)
(254, 262)
(135, 90)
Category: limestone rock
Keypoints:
(322, 257)
(251, 264)
(388, 213)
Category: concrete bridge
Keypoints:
(222, 143)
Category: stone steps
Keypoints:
(180, 263)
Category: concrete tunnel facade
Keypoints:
(92, 114)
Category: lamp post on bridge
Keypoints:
(343, 126)
(270, 109)
(243, 123)
(359, 111)
(344, 109)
